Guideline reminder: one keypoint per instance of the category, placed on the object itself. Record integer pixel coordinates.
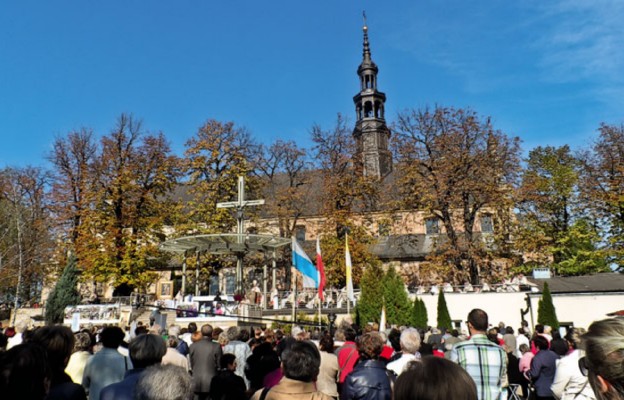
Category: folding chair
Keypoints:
(514, 389)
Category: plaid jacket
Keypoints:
(486, 363)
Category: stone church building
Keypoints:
(404, 238)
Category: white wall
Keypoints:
(581, 309)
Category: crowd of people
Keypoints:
(184, 363)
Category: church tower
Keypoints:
(371, 133)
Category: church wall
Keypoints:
(401, 223)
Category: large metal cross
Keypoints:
(240, 204)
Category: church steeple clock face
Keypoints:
(371, 131)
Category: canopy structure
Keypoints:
(238, 243)
(226, 244)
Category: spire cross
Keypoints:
(240, 204)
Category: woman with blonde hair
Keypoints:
(604, 358)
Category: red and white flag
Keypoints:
(321, 268)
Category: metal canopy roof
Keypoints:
(224, 243)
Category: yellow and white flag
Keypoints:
(350, 294)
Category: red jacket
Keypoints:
(347, 357)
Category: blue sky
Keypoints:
(547, 71)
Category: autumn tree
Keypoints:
(215, 157)
(343, 194)
(26, 241)
(135, 174)
(333, 248)
(602, 186)
(548, 197)
(457, 166)
(72, 158)
(285, 178)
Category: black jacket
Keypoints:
(369, 380)
(226, 385)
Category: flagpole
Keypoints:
(348, 305)
(320, 313)
(294, 292)
(294, 307)
(348, 299)
(321, 275)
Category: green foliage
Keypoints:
(602, 186)
(64, 294)
(444, 318)
(548, 200)
(333, 248)
(579, 251)
(419, 314)
(371, 298)
(546, 314)
(395, 297)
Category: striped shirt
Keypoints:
(486, 363)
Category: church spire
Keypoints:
(366, 54)
(371, 133)
(367, 70)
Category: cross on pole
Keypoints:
(239, 205)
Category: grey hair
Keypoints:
(174, 330)
(575, 337)
(146, 350)
(410, 340)
(604, 346)
(233, 333)
(164, 382)
(223, 338)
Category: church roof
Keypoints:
(403, 247)
(606, 282)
